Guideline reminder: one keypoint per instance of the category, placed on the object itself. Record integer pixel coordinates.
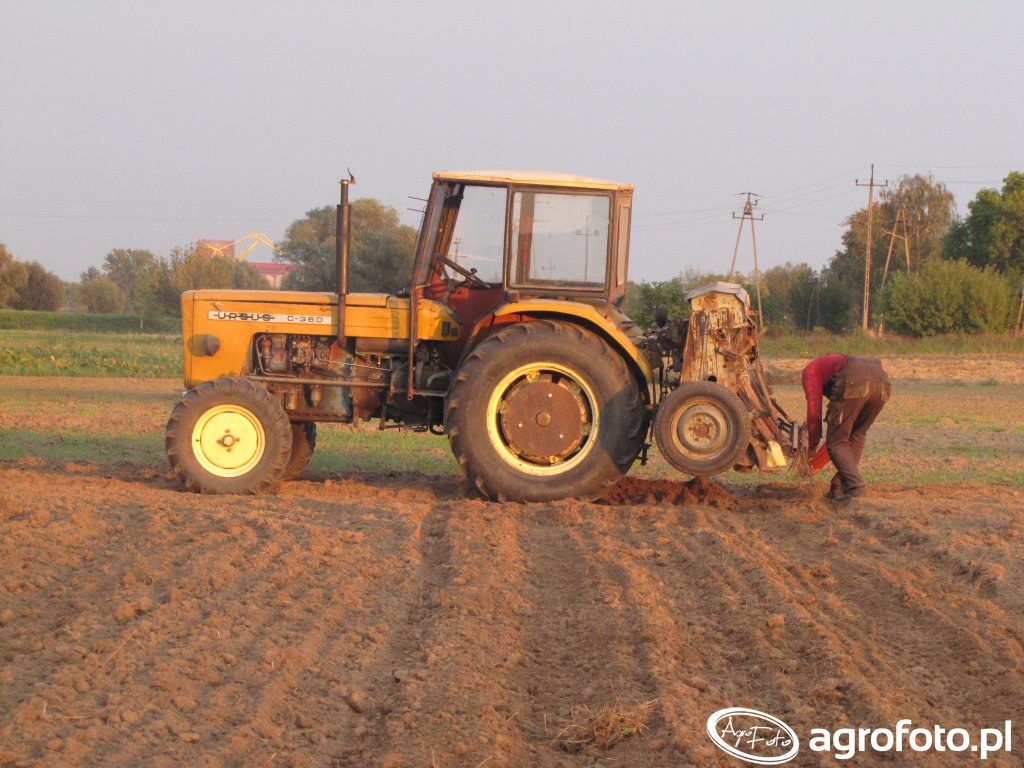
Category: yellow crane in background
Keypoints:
(256, 237)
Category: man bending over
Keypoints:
(857, 389)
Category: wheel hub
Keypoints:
(702, 429)
(543, 420)
(228, 441)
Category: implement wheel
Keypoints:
(228, 435)
(702, 428)
(545, 410)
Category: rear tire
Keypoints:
(545, 410)
(228, 435)
(303, 445)
(702, 428)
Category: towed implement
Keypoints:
(509, 340)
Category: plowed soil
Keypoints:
(398, 619)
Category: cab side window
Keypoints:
(560, 240)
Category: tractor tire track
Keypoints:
(581, 651)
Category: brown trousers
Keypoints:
(856, 394)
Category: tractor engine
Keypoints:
(317, 380)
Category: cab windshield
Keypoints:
(466, 225)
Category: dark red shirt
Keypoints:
(814, 378)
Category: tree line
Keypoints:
(28, 285)
(939, 274)
(931, 272)
(138, 282)
(130, 281)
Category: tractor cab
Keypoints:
(494, 237)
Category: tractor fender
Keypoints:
(578, 313)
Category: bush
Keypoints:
(102, 296)
(643, 298)
(949, 297)
(13, 278)
(43, 290)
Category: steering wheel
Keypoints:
(469, 274)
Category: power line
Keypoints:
(784, 212)
(844, 175)
(707, 220)
(814, 188)
(954, 167)
(682, 212)
(91, 217)
(973, 181)
(136, 202)
(842, 185)
(673, 228)
(805, 204)
(669, 225)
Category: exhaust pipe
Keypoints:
(341, 244)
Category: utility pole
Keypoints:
(867, 250)
(901, 216)
(587, 233)
(814, 304)
(748, 213)
(1020, 312)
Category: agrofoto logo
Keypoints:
(754, 736)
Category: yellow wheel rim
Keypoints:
(228, 441)
(503, 445)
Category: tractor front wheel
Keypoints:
(228, 435)
(545, 410)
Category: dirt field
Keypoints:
(394, 618)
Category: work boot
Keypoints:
(850, 495)
(836, 489)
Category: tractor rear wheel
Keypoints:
(228, 435)
(545, 410)
(702, 428)
(303, 445)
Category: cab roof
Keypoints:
(533, 178)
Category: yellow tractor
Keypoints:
(509, 340)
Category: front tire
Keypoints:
(544, 410)
(702, 428)
(228, 435)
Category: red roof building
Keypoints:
(274, 273)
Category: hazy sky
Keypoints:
(145, 124)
